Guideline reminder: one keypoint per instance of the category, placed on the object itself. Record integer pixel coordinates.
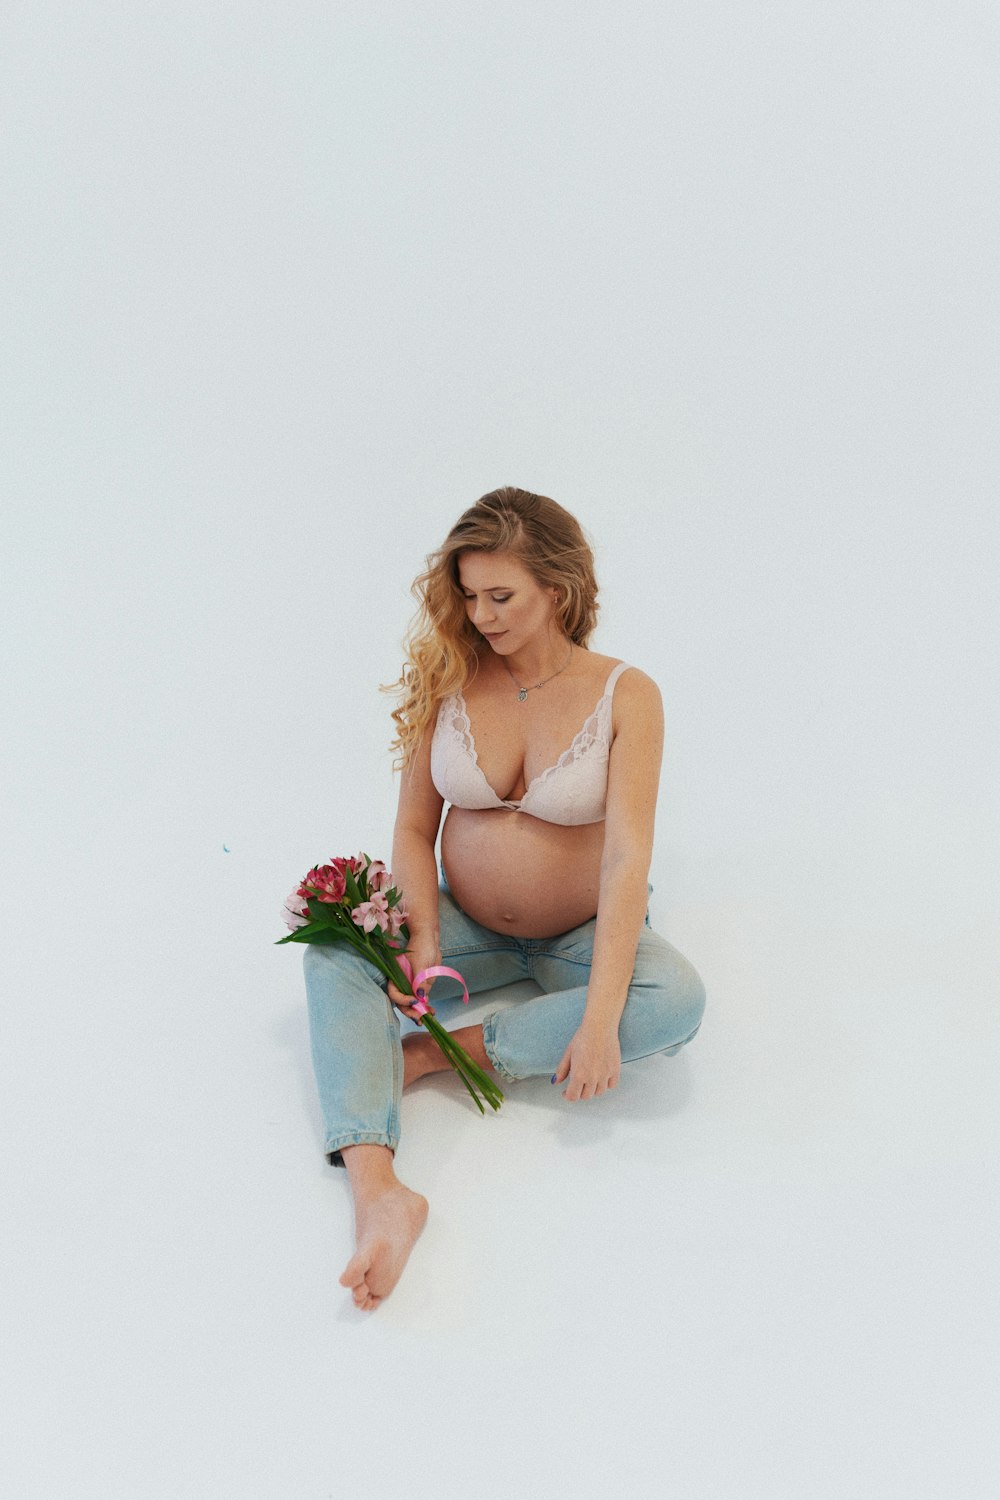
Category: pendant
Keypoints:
(522, 694)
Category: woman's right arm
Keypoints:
(414, 865)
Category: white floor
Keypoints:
(285, 289)
(763, 1268)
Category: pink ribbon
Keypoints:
(420, 1004)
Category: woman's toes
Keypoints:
(356, 1269)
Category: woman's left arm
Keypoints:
(593, 1057)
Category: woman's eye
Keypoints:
(469, 598)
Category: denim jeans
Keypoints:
(355, 1034)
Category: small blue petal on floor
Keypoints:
(225, 849)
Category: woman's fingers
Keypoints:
(404, 1003)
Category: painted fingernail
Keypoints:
(553, 1078)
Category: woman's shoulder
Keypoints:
(637, 698)
(630, 677)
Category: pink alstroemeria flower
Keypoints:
(373, 913)
(295, 913)
(397, 916)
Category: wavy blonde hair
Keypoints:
(442, 646)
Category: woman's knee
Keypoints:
(321, 960)
(319, 957)
(693, 996)
(670, 1006)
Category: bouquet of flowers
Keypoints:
(354, 901)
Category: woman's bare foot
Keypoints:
(387, 1225)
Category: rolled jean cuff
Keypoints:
(490, 1048)
(357, 1138)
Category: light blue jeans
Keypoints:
(355, 1035)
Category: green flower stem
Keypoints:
(454, 1050)
(465, 1066)
(447, 1043)
(475, 1097)
(468, 1069)
(471, 1074)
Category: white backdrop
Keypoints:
(286, 288)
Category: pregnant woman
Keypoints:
(548, 755)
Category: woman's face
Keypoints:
(502, 599)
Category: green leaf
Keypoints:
(352, 887)
(322, 922)
(316, 908)
(312, 934)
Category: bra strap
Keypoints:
(622, 666)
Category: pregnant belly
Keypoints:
(517, 874)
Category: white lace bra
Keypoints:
(571, 791)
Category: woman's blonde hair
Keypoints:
(442, 645)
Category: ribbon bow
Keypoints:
(420, 1003)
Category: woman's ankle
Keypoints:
(421, 1055)
(370, 1168)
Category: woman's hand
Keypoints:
(593, 1062)
(423, 954)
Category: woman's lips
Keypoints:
(495, 637)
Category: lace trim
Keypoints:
(456, 718)
(452, 715)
